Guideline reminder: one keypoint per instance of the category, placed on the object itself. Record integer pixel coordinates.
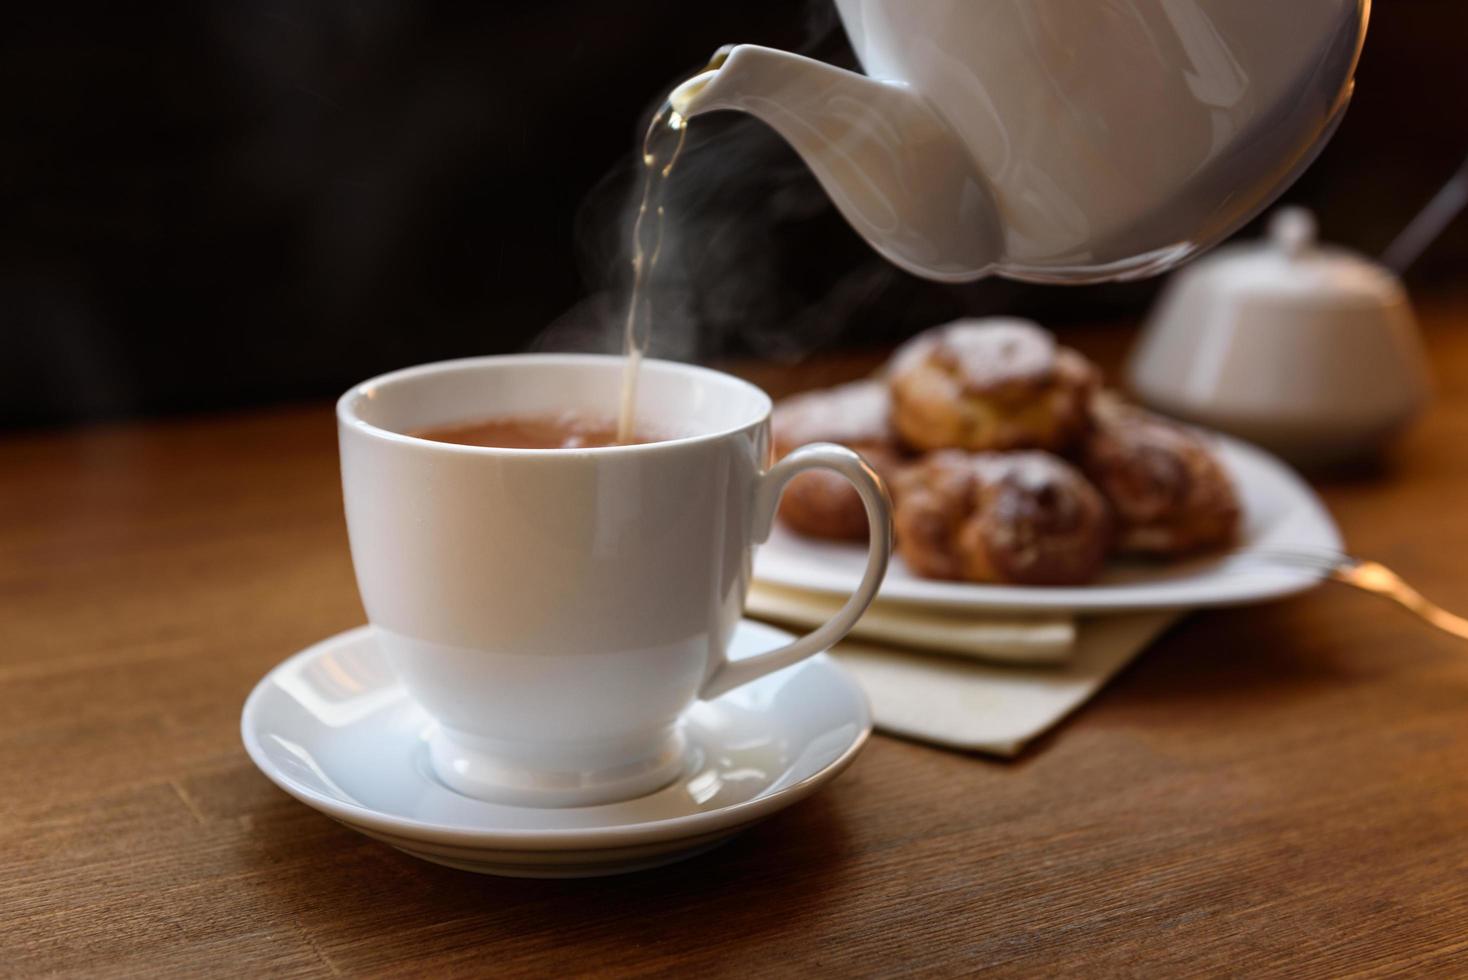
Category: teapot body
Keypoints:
(1118, 137)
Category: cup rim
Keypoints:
(348, 417)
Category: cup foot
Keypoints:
(540, 775)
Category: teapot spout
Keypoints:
(892, 166)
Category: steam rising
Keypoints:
(720, 282)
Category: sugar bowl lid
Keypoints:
(1292, 266)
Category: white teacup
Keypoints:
(556, 610)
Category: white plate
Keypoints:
(333, 727)
(1280, 512)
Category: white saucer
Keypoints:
(1281, 512)
(333, 727)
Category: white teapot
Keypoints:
(1061, 141)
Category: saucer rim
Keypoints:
(731, 817)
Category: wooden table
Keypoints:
(1275, 789)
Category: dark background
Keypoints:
(211, 204)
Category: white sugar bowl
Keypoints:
(1306, 349)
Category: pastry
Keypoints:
(820, 503)
(1167, 490)
(989, 385)
(1025, 518)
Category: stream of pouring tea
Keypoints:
(661, 146)
(660, 149)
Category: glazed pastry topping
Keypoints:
(1020, 517)
(855, 414)
(990, 384)
(1168, 491)
(993, 356)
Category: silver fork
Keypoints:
(1368, 576)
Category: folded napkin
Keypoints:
(1044, 639)
(995, 683)
(965, 704)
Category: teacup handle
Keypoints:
(821, 455)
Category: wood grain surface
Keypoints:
(1274, 790)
